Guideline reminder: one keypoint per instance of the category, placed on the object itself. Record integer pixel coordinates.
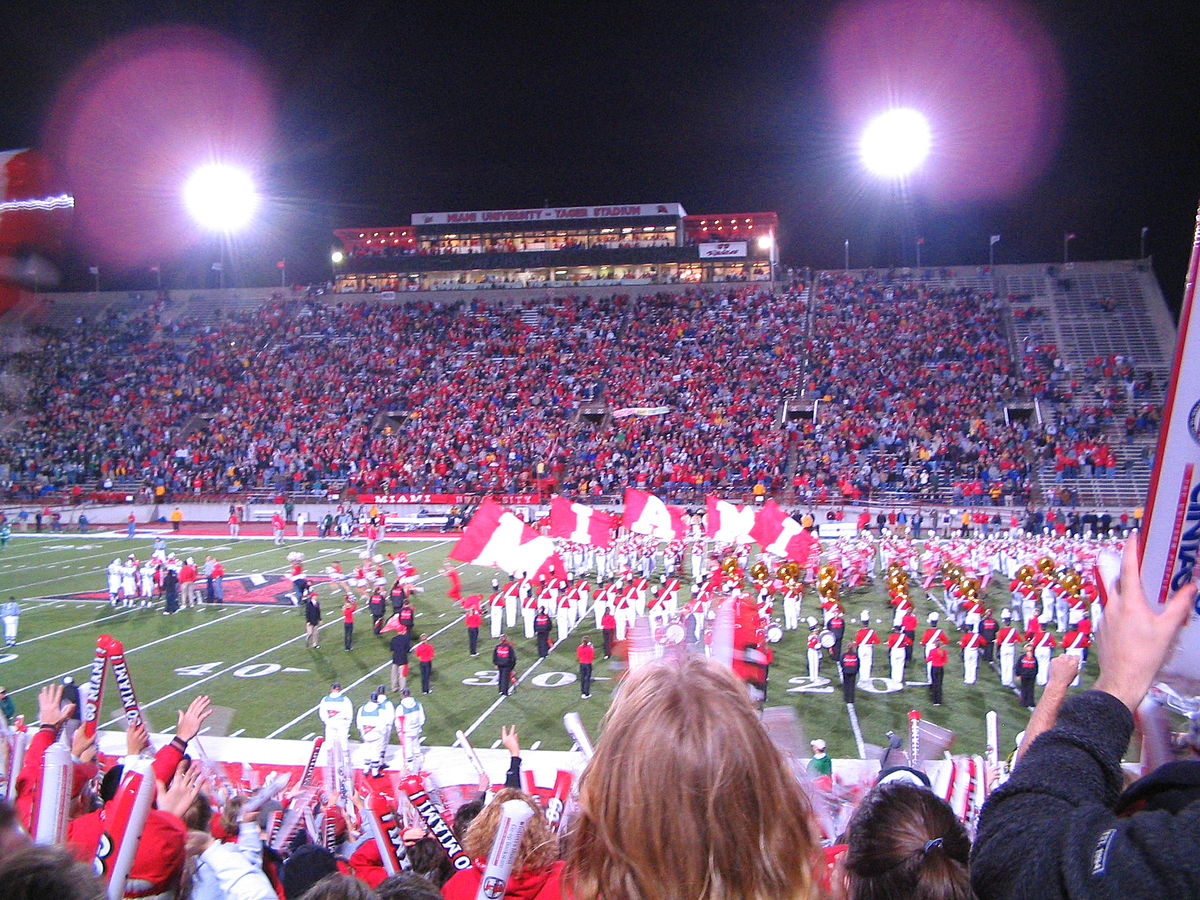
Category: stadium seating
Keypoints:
(896, 389)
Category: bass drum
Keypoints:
(774, 633)
(674, 633)
(827, 640)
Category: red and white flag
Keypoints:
(647, 514)
(581, 524)
(496, 537)
(728, 523)
(781, 535)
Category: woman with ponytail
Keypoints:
(905, 843)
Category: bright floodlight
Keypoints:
(765, 242)
(220, 198)
(895, 143)
(337, 256)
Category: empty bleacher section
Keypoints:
(1097, 341)
(960, 388)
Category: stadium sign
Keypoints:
(627, 210)
(723, 250)
(450, 499)
(1171, 527)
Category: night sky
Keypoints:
(385, 109)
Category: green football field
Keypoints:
(252, 660)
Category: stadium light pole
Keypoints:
(893, 145)
(221, 199)
(847, 249)
(767, 242)
(336, 258)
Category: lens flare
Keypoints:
(895, 143)
(220, 198)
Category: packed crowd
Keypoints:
(477, 396)
(686, 794)
(916, 380)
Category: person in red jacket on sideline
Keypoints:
(473, 620)
(188, 573)
(586, 654)
(424, 653)
(349, 608)
(937, 673)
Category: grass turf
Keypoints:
(252, 659)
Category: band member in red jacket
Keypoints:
(972, 644)
(1007, 639)
(1076, 643)
(899, 646)
(866, 638)
(1043, 648)
(933, 636)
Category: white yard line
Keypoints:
(102, 578)
(91, 624)
(308, 712)
(160, 640)
(858, 738)
(191, 685)
(229, 561)
(237, 665)
(496, 703)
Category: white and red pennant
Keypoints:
(1171, 524)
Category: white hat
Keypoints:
(190, 561)
(933, 617)
(866, 615)
(818, 744)
(812, 623)
(1006, 614)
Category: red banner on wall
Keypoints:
(448, 499)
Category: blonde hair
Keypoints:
(539, 844)
(686, 796)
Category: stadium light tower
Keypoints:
(220, 198)
(895, 143)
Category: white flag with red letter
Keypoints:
(727, 522)
(579, 523)
(496, 537)
(781, 535)
(647, 514)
